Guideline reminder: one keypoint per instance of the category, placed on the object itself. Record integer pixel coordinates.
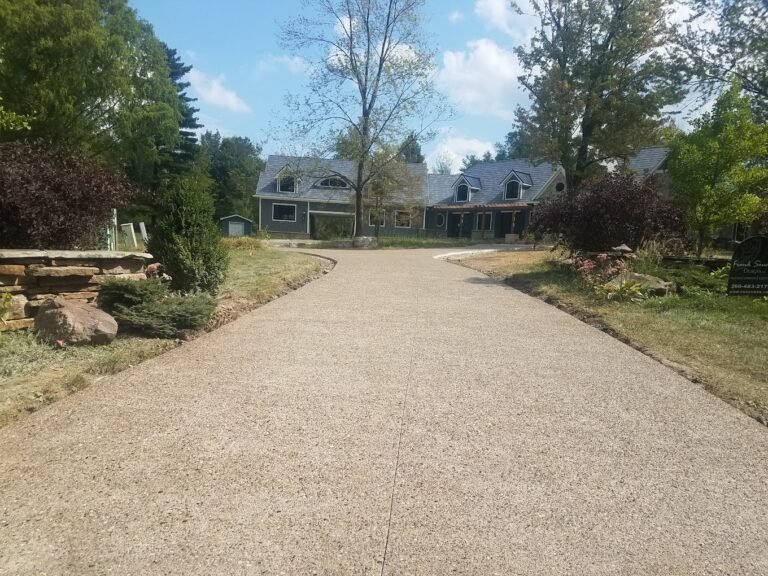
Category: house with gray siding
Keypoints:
(491, 200)
(295, 195)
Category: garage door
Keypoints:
(236, 229)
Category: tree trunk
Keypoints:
(582, 153)
(700, 236)
(359, 208)
(363, 156)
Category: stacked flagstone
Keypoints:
(34, 276)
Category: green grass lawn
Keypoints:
(260, 274)
(33, 374)
(718, 340)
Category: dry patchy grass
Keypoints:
(716, 340)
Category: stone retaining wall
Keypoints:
(33, 276)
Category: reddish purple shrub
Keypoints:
(612, 210)
(55, 200)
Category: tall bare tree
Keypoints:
(371, 76)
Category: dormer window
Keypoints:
(512, 190)
(332, 183)
(462, 193)
(286, 184)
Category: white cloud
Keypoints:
(482, 80)
(294, 64)
(212, 91)
(453, 149)
(455, 16)
(211, 124)
(343, 26)
(500, 15)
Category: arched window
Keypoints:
(333, 183)
(462, 193)
(440, 220)
(287, 184)
(560, 186)
(512, 191)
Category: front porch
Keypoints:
(507, 223)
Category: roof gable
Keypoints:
(309, 171)
(648, 160)
(492, 176)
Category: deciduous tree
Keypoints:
(727, 39)
(91, 76)
(371, 73)
(234, 165)
(720, 169)
(599, 79)
(517, 144)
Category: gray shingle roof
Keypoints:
(491, 177)
(440, 188)
(487, 179)
(310, 171)
(648, 160)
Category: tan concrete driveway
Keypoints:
(401, 415)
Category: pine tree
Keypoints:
(411, 150)
(182, 157)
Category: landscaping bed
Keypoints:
(34, 374)
(715, 340)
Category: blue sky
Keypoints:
(241, 74)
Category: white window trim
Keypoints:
(320, 185)
(295, 212)
(477, 222)
(410, 219)
(519, 188)
(469, 192)
(383, 220)
(295, 182)
(438, 215)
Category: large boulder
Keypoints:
(74, 323)
(16, 308)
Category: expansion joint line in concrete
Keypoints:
(400, 437)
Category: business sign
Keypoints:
(749, 268)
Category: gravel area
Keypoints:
(400, 415)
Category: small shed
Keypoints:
(235, 225)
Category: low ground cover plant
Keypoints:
(149, 308)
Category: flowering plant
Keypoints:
(599, 270)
